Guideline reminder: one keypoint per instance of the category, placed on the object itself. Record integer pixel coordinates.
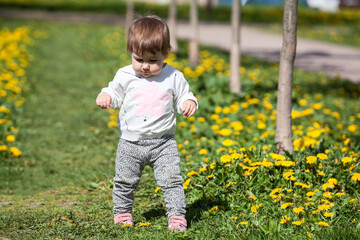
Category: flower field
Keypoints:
(14, 59)
(232, 164)
(236, 186)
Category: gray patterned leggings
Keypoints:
(160, 154)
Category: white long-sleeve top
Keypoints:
(147, 105)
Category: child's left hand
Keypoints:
(189, 108)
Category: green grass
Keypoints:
(61, 185)
(55, 136)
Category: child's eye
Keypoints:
(153, 60)
(138, 59)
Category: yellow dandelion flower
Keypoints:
(356, 177)
(230, 184)
(276, 190)
(202, 169)
(317, 106)
(225, 132)
(3, 148)
(298, 210)
(4, 109)
(311, 159)
(261, 125)
(201, 119)
(227, 142)
(324, 224)
(216, 208)
(327, 214)
(284, 219)
(346, 160)
(146, 224)
(277, 156)
(324, 207)
(302, 102)
(210, 176)
(15, 151)
(245, 105)
(237, 126)
(336, 115)
(327, 185)
(203, 151)
(244, 223)
(225, 158)
(332, 181)
(285, 163)
(353, 128)
(192, 173)
(182, 124)
(328, 194)
(254, 209)
(157, 189)
(310, 194)
(322, 156)
(215, 127)
(218, 110)
(288, 174)
(298, 223)
(187, 182)
(285, 205)
(112, 124)
(10, 138)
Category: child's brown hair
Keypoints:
(149, 34)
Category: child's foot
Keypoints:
(123, 218)
(177, 223)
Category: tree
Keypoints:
(235, 56)
(129, 18)
(194, 39)
(283, 135)
(172, 25)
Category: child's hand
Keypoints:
(103, 100)
(188, 108)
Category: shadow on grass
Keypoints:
(158, 211)
(198, 209)
(194, 212)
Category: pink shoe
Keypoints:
(123, 218)
(177, 223)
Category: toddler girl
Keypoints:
(148, 92)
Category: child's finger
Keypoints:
(191, 111)
(186, 110)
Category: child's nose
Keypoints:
(146, 65)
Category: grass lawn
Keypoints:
(60, 186)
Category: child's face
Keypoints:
(148, 64)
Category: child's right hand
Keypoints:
(103, 100)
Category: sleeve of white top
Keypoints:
(182, 92)
(115, 91)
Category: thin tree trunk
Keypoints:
(129, 18)
(194, 40)
(209, 6)
(283, 136)
(235, 56)
(172, 26)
